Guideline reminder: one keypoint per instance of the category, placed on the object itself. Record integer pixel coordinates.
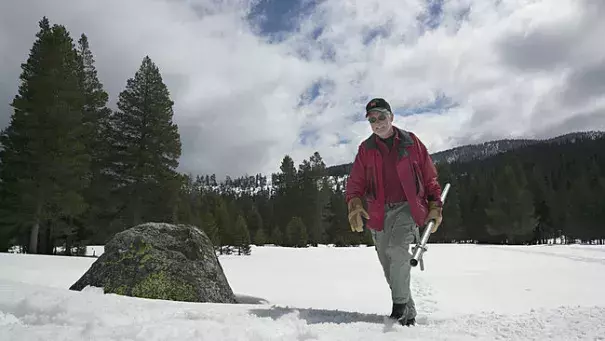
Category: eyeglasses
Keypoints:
(381, 117)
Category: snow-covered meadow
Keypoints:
(467, 292)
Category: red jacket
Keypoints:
(417, 175)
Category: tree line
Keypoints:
(74, 172)
(536, 194)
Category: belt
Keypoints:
(395, 204)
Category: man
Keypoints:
(395, 174)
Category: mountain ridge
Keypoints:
(479, 151)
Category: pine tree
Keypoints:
(189, 206)
(585, 208)
(277, 236)
(260, 237)
(311, 200)
(543, 203)
(44, 159)
(95, 111)
(451, 228)
(96, 122)
(338, 228)
(225, 225)
(322, 197)
(307, 190)
(286, 193)
(146, 145)
(472, 205)
(511, 212)
(242, 236)
(210, 227)
(297, 232)
(254, 219)
(600, 234)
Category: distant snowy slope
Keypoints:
(487, 149)
(483, 150)
(479, 151)
(468, 292)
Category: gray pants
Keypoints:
(393, 249)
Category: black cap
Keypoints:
(377, 104)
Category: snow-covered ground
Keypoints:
(468, 292)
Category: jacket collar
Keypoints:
(405, 140)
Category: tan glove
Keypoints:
(356, 211)
(434, 213)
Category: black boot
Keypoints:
(400, 313)
(408, 322)
(399, 310)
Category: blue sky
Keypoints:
(276, 17)
(293, 77)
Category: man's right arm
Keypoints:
(356, 183)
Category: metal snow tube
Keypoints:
(421, 247)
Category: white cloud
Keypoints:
(508, 65)
(501, 64)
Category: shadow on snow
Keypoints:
(245, 299)
(315, 316)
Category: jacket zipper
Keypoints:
(416, 181)
(373, 183)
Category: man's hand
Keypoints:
(356, 211)
(434, 213)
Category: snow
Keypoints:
(467, 292)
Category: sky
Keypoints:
(255, 80)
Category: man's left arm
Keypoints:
(431, 185)
(429, 175)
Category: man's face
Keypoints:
(381, 123)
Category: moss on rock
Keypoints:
(121, 290)
(164, 287)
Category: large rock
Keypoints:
(160, 261)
